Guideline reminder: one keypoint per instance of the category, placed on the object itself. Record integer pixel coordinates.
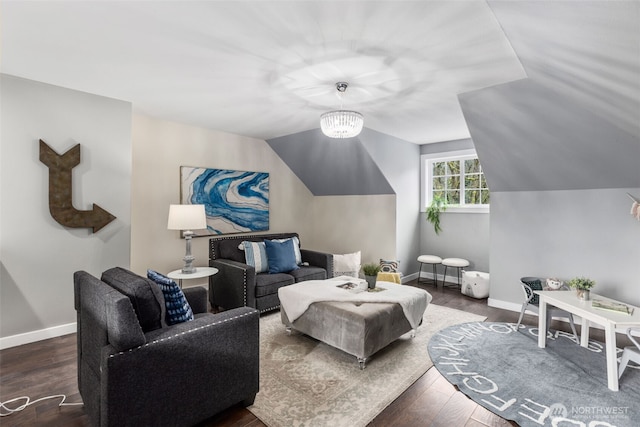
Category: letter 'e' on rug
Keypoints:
(304, 382)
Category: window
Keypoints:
(458, 179)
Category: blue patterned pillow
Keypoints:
(255, 255)
(178, 308)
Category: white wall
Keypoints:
(38, 255)
(565, 234)
(160, 148)
(346, 224)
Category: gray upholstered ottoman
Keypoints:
(359, 329)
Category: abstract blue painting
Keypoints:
(235, 201)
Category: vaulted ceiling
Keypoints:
(268, 68)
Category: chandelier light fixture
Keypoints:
(341, 123)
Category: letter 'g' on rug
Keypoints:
(562, 385)
(304, 382)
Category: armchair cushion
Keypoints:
(178, 308)
(145, 296)
(281, 256)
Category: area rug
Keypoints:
(304, 382)
(501, 368)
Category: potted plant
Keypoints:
(371, 271)
(433, 212)
(582, 286)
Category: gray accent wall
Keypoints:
(463, 235)
(331, 167)
(565, 234)
(531, 138)
(38, 255)
(399, 162)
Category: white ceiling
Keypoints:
(267, 69)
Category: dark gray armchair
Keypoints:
(134, 370)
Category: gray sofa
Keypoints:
(237, 285)
(134, 370)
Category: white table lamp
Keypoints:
(187, 218)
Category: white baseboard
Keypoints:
(426, 275)
(409, 277)
(39, 335)
(505, 305)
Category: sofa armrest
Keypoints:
(197, 298)
(234, 285)
(318, 259)
(213, 360)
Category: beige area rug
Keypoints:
(304, 382)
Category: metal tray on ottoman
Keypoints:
(360, 329)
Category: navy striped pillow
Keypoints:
(178, 308)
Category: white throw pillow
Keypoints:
(255, 255)
(347, 264)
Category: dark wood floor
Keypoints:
(49, 367)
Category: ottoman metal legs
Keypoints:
(458, 263)
(429, 259)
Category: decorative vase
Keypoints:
(583, 294)
(371, 281)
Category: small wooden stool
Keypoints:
(429, 259)
(454, 262)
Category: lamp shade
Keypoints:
(187, 217)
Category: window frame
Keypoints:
(426, 174)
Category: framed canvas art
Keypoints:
(234, 201)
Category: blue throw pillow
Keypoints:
(296, 248)
(281, 256)
(178, 308)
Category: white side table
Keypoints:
(198, 274)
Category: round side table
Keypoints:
(198, 274)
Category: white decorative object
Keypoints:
(347, 264)
(475, 284)
(553, 283)
(341, 123)
(187, 218)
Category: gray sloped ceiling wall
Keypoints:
(561, 148)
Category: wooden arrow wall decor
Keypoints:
(60, 191)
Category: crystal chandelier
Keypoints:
(341, 123)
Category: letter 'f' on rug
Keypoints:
(562, 385)
(304, 382)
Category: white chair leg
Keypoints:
(623, 362)
(524, 308)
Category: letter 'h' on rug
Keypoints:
(304, 382)
(563, 385)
